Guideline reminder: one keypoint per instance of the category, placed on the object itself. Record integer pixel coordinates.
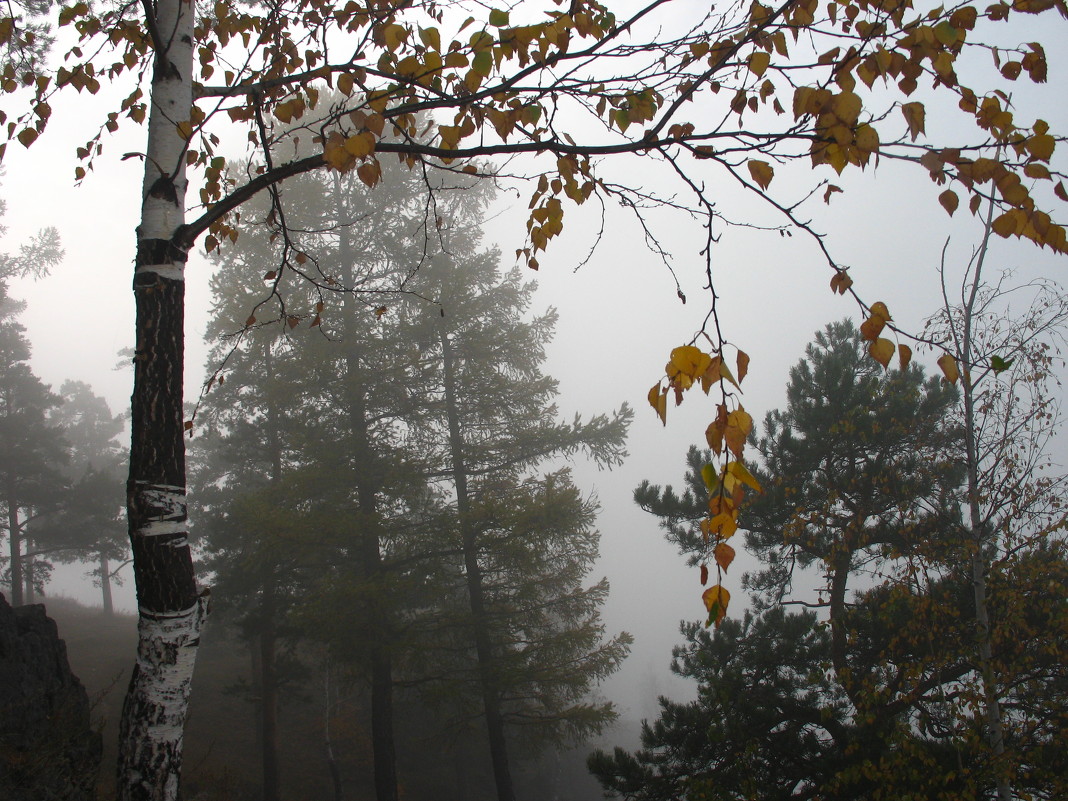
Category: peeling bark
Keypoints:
(171, 609)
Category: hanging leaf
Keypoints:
(948, 365)
(761, 171)
(882, 350)
(739, 471)
(904, 355)
(949, 201)
(716, 600)
(743, 365)
(724, 555)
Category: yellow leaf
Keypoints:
(872, 327)
(723, 525)
(758, 62)
(882, 350)
(948, 365)
(1041, 147)
(361, 145)
(914, 116)
(878, 309)
(658, 400)
(743, 365)
(716, 600)
(687, 364)
(392, 36)
(1005, 225)
(761, 171)
(345, 83)
(867, 138)
(739, 471)
(431, 38)
(904, 355)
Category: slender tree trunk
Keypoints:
(268, 663)
(331, 757)
(15, 552)
(269, 696)
(994, 723)
(487, 671)
(171, 609)
(383, 743)
(27, 571)
(105, 586)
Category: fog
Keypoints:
(620, 316)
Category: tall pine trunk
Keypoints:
(267, 664)
(383, 745)
(15, 549)
(487, 669)
(268, 681)
(171, 610)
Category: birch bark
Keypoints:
(170, 607)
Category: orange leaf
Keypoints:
(904, 355)
(949, 201)
(761, 171)
(723, 554)
(948, 365)
(841, 282)
(743, 364)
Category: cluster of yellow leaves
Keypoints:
(882, 349)
(728, 479)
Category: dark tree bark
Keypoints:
(15, 549)
(170, 607)
(105, 586)
(487, 672)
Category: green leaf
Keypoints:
(999, 365)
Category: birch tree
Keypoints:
(1007, 339)
(728, 94)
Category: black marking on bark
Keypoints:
(163, 187)
(160, 251)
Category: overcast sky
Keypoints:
(620, 317)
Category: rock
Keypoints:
(48, 748)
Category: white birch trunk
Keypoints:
(171, 609)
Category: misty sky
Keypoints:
(620, 317)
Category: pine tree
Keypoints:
(861, 484)
(89, 521)
(494, 422)
(306, 434)
(33, 449)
